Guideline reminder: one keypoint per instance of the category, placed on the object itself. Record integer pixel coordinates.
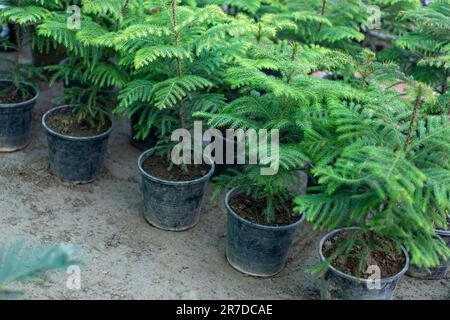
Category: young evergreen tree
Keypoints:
(287, 103)
(90, 73)
(382, 165)
(177, 56)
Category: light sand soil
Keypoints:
(124, 257)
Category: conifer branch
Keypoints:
(413, 122)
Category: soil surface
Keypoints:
(386, 257)
(253, 211)
(160, 167)
(123, 256)
(8, 96)
(64, 121)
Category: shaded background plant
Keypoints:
(381, 166)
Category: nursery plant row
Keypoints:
(354, 93)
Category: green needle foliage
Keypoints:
(334, 24)
(21, 263)
(250, 7)
(390, 9)
(327, 23)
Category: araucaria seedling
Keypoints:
(176, 59)
(382, 167)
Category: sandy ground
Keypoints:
(126, 258)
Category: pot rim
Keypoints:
(148, 153)
(257, 225)
(350, 277)
(73, 138)
(443, 233)
(36, 90)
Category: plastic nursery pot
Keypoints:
(15, 121)
(172, 205)
(433, 273)
(76, 159)
(145, 144)
(256, 249)
(337, 285)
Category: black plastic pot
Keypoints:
(76, 159)
(255, 249)
(433, 273)
(172, 205)
(15, 121)
(147, 143)
(337, 285)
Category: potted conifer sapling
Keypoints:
(173, 70)
(17, 95)
(261, 223)
(382, 189)
(78, 132)
(261, 220)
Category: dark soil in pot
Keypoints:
(257, 249)
(16, 114)
(10, 96)
(64, 121)
(157, 166)
(252, 211)
(344, 281)
(172, 198)
(76, 151)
